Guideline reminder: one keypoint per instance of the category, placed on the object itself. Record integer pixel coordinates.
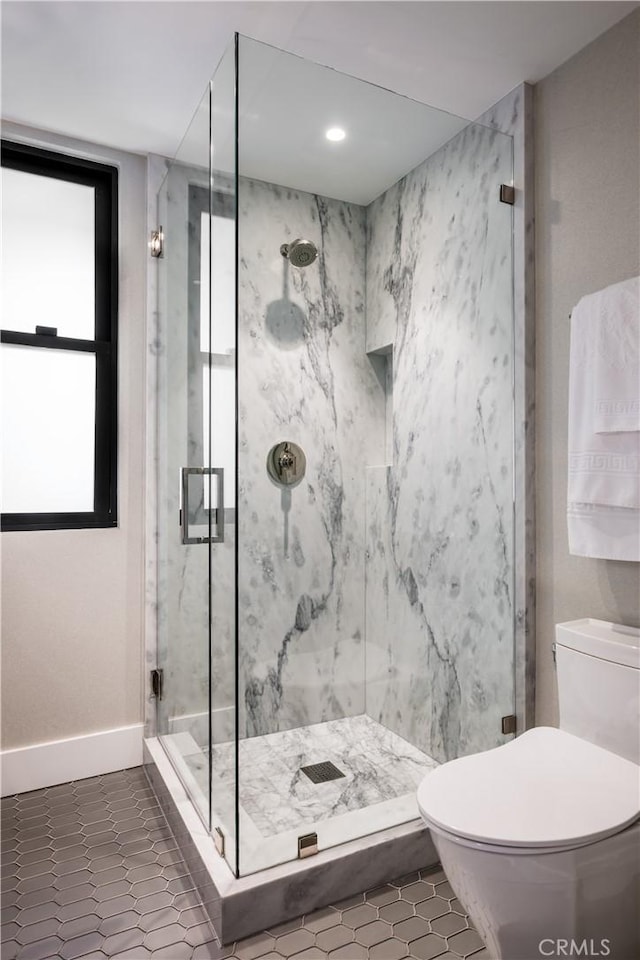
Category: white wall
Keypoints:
(72, 600)
(587, 236)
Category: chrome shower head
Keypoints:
(299, 253)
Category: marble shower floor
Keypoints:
(279, 802)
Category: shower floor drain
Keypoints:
(321, 772)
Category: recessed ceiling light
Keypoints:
(335, 134)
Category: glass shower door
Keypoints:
(219, 377)
(196, 454)
(183, 561)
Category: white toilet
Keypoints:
(540, 838)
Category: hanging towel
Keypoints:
(608, 533)
(604, 466)
(617, 361)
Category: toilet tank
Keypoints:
(598, 665)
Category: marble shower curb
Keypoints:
(238, 907)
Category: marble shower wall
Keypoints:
(439, 601)
(304, 377)
(514, 115)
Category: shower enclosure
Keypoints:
(335, 454)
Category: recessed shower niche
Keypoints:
(351, 299)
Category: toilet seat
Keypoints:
(545, 791)
(520, 851)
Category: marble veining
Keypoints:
(238, 907)
(514, 115)
(377, 764)
(303, 376)
(439, 519)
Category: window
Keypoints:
(58, 340)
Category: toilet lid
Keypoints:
(546, 788)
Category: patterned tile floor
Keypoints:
(90, 870)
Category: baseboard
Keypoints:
(47, 764)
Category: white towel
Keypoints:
(604, 467)
(609, 533)
(617, 361)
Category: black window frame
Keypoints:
(104, 179)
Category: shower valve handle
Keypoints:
(286, 464)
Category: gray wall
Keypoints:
(587, 236)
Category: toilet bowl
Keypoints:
(540, 837)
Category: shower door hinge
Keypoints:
(156, 242)
(157, 683)
(218, 839)
(507, 193)
(509, 724)
(307, 845)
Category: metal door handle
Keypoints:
(217, 535)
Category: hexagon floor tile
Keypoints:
(90, 871)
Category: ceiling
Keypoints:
(131, 74)
(286, 105)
